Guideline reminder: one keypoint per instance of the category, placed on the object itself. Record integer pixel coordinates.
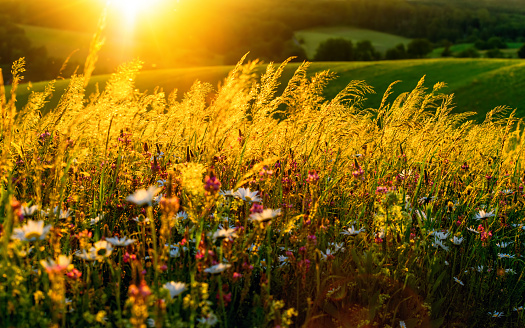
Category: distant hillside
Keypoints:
(479, 85)
(310, 39)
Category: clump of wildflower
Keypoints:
(256, 208)
(211, 184)
(138, 296)
(313, 177)
(485, 235)
(358, 173)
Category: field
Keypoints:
(311, 38)
(479, 85)
(246, 206)
(511, 51)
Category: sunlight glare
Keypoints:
(129, 9)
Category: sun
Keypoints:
(129, 10)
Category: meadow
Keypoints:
(256, 204)
(478, 85)
(311, 38)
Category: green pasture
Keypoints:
(479, 85)
(311, 38)
(512, 49)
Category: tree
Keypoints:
(419, 48)
(365, 51)
(398, 52)
(521, 51)
(335, 50)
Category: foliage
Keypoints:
(336, 49)
(419, 48)
(521, 51)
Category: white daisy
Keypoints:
(266, 215)
(143, 196)
(33, 230)
(224, 233)
(175, 288)
(352, 231)
(122, 242)
(457, 240)
(459, 281)
(29, 211)
(218, 268)
(438, 243)
(484, 215)
(247, 195)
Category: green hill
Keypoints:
(311, 38)
(479, 85)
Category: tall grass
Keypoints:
(354, 216)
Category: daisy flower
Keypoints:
(218, 268)
(457, 240)
(224, 233)
(33, 230)
(29, 211)
(352, 231)
(247, 195)
(143, 196)
(175, 288)
(459, 281)
(266, 215)
(122, 242)
(481, 215)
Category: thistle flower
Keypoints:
(143, 196)
(175, 288)
(122, 242)
(33, 230)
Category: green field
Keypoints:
(311, 38)
(511, 51)
(479, 85)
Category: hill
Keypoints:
(479, 85)
(310, 38)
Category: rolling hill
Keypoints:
(479, 85)
(310, 39)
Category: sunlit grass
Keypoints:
(255, 204)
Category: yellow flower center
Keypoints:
(102, 252)
(32, 235)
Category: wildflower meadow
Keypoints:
(258, 205)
